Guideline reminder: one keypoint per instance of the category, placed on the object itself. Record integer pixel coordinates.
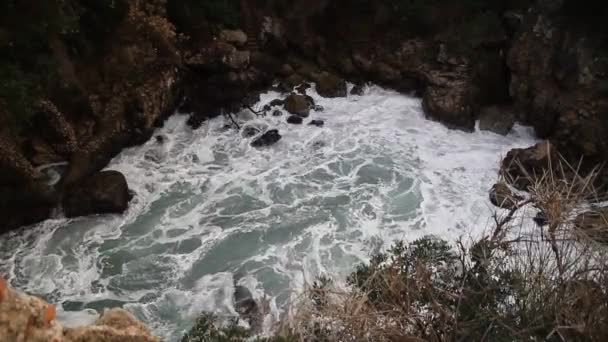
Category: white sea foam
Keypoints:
(210, 210)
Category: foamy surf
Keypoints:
(209, 208)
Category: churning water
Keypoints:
(210, 210)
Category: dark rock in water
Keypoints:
(358, 89)
(277, 113)
(496, 119)
(540, 219)
(276, 102)
(104, 192)
(318, 108)
(302, 88)
(250, 131)
(502, 197)
(159, 139)
(294, 119)
(298, 105)
(329, 85)
(267, 108)
(318, 123)
(270, 137)
(244, 303)
(310, 101)
(522, 165)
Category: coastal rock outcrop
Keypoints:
(522, 166)
(25, 318)
(103, 193)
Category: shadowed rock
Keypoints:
(269, 138)
(104, 192)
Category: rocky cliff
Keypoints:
(541, 62)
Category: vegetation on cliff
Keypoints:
(547, 283)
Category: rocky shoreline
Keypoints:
(530, 62)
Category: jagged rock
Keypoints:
(496, 119)
(594, 224)
(330, 86)
(521, 166)
(358, 89)
(102, 193)
(31, 319)
(318, 123)
(295, 120)
(297, 105)
(269, 138)
(236, 37)
(502, 197)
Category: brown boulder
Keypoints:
(329, 85)
(452, 105)
(522, 165)
(502, 197)
(103, 193)
(297, 105)
(496, 119)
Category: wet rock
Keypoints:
(235, 37)
(301, 89)
(277, 102)
(291, 82)
(502, 197)
(286, 70)
(297, 105)
(269, 138)
(318, 108)
(295, 120)
(593, 224)
(358, 89)
(496, 119)
(451, 105)
(103, 193)
(329, 85)
(250, 131)
(384, 73)
(318, 123)
(310, 101)
(244, 303)
(522, 165)
(277, 113)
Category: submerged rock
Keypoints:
(269, 138)
(104, 192)
(318, 123)
(295, 120)
(358, 89)
(277, 113)
(297, 105)
(250, 131)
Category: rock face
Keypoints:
(329, 85)
(496, 119)
(25, 318)
(297, 105)
(521, 166)
(269, 138)
(103, 193)
(236, 37)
